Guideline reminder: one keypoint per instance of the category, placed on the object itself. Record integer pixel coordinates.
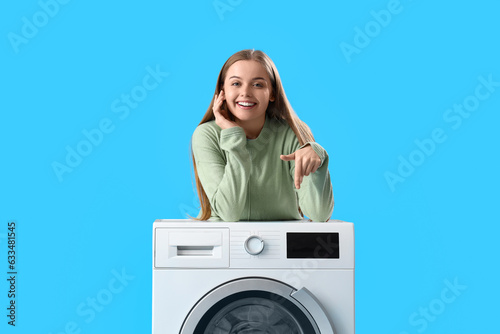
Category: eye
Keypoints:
(235, 83)
(258, 85)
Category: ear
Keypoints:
(271, 98)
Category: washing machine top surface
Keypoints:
(195, 244)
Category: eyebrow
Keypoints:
(257, 78)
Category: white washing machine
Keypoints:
(253, 277)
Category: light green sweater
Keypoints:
(245, 179)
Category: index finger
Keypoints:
(220, 95)
(298, 174)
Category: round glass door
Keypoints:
(256, 306)
(254, 312)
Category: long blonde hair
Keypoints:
(279, 109)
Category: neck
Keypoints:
(253, 127)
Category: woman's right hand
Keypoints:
(221, 116)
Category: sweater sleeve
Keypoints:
(315, 193)
(223, 166)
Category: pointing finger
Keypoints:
(298, 175)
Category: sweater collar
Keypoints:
(262, 133)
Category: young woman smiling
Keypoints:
(253, 158)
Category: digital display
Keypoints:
(312, 245)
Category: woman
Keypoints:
(253, 158)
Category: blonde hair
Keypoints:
(279, 109)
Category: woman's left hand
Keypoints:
(306, 162)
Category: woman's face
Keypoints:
(247, 90)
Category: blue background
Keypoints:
(367, 108)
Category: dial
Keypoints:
(254, 245)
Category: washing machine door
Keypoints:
(257, 306)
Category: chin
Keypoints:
(247, 116)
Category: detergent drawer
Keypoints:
(191, 248)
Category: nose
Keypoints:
(245, 90)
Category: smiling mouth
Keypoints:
(246, 104)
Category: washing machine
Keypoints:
(292, 277)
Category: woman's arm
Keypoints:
(315, 190)
(223, 166)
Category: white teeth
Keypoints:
(246, 104)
